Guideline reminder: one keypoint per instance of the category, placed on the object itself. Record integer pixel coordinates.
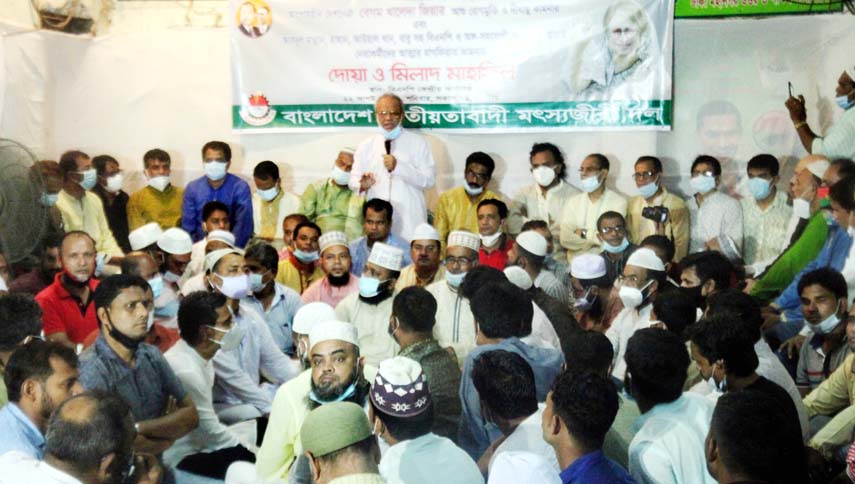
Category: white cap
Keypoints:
(818, 167)
(145, 236)
(400, 370)
(212, 258)
(309, 314)
(425, 232)
(333, 330)
(588, 266)
(646, 259)
(222, 236)
(532, 242)
(348, 149)
(463, 238)
(518, 277)
(384, 255)
(330, 239)
(175, 241)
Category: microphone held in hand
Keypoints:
(388, 144)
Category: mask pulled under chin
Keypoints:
(347, 393)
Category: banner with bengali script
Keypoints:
(459, 65)
(724, 8)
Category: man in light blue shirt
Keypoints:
(377, 225)
(276, 302)
(668, 447)
(39, 377)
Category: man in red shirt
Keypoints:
(495, 243)
(69, 315)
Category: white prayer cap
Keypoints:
(532, 242)
(175, 241)
(588, 266)
(646, 259)
(425, 232)
(818, 167)
(518, 277)
(222, 236)
(463, 238)
(330, 239)
(348, 149)
(333, 330)
(309, 314)
(384, 255)
(212, 258)
(145, 236)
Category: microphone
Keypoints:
(388, 144)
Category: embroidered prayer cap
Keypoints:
(818, 167)
(222, 236)
(333, 427)
(310, 314)
(212, 258)
(518, 277)
(463, 238)
(384, 255)
(175, 241)
(330, 239)
(425, 232)
(646, 259)
(588, 266)
(400, 388)
(145, 236)
(532, 242)
(333, 330)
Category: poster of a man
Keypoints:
(254, 19)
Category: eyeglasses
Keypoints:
(478, 176)
(618, 229)
(458, 261)
(389, 114)
(644, 175)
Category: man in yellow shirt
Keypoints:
(302, 268)
(159, 201)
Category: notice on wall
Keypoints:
(723, 8)
(459, 65)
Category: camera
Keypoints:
(658, 214)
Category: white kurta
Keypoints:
(405, 186)
(455, 325)
(627, 322)
(372, 326)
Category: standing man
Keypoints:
(218, 185)
(765, 214)
(837, 142)
(301, 268)
(335, 261)
(275, 302)
(457, 207)
(712, 214)
(582, 211)
(109, 190)
(159, 201)
(651, 194)
(270, 203)
(425, 252)
(395, 165)
(377, 225)
(331, 204)
(495, 243)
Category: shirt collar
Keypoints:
(63, 293)
(103, 348)
(581, 466)
(36, 437)
(670, 407)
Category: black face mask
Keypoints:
(123, 339)
(694, 294)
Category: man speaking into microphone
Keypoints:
(394, 165)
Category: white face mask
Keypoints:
(801, 208)
(234, 287)
(543, 175)
(590, 184)
(230, 340)
(114, 183)
(339, 176)
(632, 297)
(215, 170)
(150, 321)
(159, 183)
(489, 240)
(828, 324)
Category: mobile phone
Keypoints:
(790, 87)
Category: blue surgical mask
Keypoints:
(844, 102)
(390, 135)
(369, 286)
(647, 191)
(215, 170)
(306, 257)
(702, 184)
(269, 194)
(611, 249)
(344, 396)
(168, 311)
(590, 184)
(828, 324)
(49, 199)
(90, 177)
(256, 282)
(454, 280)
(156, 284)
(759, 188)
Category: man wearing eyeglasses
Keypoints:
(394, 165)
(651, 194)
(713, 214)
(457, 208)
(611, 232)
(426, 267)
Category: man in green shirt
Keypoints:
(331, 204)
(20, 321)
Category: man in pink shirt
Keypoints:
(335, 261)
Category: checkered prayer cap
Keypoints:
(385, 255)
(462, 238)
(400, 388)
(330, 239)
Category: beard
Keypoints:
(332, 391)
(339, 281)
(384, 294)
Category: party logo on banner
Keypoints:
(464, 65)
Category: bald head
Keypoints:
(139, 263)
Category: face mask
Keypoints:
(168, 311)
(156, 284)
(612, 249)
(472, 191)
(230, 340)
(171, 277)
(306, 257)
(454, 280)
(234, 287)
(694, 295)
(76, 278)
(584, 303)
(256, 283)
(489, 240)
(150, 322)
(49, 199)
(647, 191)
(632, 297)
(123, 339)
(344, 396)
(215, 170)
(759, 188)
(844, 102)
(829, 218)
(159, 183)
(801, 208)
(590, 184)
(269, 194)
(114, 183)
(339, 176)
(90, 177)
(391, 134)
(369, 286)
(702, 184)
(828, 324)
(543, 175)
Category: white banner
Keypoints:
(498, 66)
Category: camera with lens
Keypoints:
(658, 214)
